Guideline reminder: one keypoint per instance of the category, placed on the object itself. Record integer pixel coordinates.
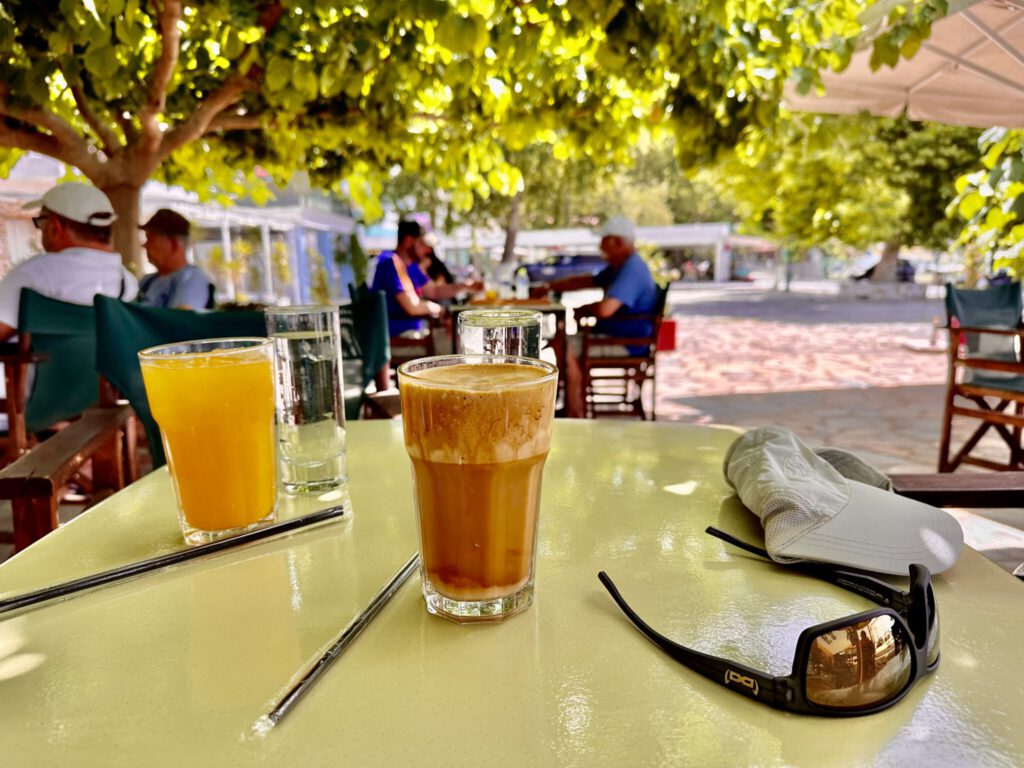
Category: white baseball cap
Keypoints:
(619, 226)
(810, 511)
(78, 202)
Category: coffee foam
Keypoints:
(467, 421)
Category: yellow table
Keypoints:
(174, 668)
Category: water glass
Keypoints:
(514, 332)
(214, 402)
(310, 401)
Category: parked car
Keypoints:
(557, 267)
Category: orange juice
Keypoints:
(216, 417)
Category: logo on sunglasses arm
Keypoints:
(749, 683)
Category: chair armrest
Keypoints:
(12, 354)
(49, 466)
(1002, 489)
(994, 331)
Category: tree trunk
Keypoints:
(885, 270)
(508, 255)
(126, 201)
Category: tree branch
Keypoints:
(199, 123)
(45, 144)
(156, 100)
(101, 129)
(230, 91)
(224, 122)
(69, 142)
(127, 127)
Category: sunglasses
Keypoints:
(40, 221)
(853, 666)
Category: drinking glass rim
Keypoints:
(300, 309)
(440, 361)
(511, 314)
(242, 344)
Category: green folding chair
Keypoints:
(51, 369)
(369, 313)
(986, 375)
(58, 341)
(123, 329)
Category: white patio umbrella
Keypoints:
(969, 72)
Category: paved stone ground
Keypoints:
(856, 374)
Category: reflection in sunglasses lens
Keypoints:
(859, 665)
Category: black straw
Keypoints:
(357, 625)
(163, 561)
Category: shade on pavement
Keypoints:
(969, 72)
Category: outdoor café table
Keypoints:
(172, 669)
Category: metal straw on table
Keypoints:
(145, 566)
(320, 666)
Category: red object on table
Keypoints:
(667, 336)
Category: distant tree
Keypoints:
(854, 181)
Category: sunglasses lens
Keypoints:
(860, 665)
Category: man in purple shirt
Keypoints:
(399, 276)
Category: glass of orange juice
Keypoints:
(214, 402)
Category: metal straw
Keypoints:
(163, 561)
(357, 625)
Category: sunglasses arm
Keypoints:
(872, 589)
(738, 677)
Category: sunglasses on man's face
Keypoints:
(853, 666)
(40, 221)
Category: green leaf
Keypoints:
(1016, 171)
(101, 61)
(970, 204)
(233, 45)
(278, 74)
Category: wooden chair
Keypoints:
(58, 341)
(404, 348)
(615, 369)
(985, 375)
(368, 342)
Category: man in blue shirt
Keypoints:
(176, 283)
(628, 289)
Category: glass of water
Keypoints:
(514, 332)
(310, 403)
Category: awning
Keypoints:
(969, 72)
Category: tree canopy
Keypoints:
(221, 96)
(853, 181)
(991, 200)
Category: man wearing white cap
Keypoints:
(628, 289)
(78, 262)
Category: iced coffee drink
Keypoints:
(478, 429)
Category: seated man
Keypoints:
(628, 289)
(399, 276)
(411, 294)
(176, 283)
(78, 261)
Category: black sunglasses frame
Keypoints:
(909, 610)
